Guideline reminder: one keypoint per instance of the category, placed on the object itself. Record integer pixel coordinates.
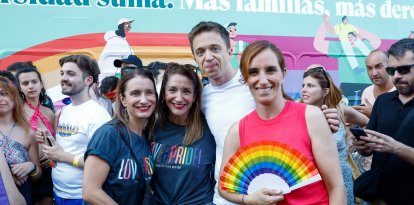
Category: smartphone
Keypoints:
(358, 132)
(46, 139)
(47, 135)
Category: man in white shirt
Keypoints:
(226, 99)
(74, 127)
(376, 63)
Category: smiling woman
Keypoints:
(117, 161)
(296, 126)
(182, 133)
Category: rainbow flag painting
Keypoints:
(267, 164)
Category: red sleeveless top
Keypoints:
(289, 127)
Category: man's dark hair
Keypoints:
(88, 66)
(108, 84)
(156, 67)
(205, 26)
(399, 48)
(343, 18)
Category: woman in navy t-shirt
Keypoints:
(117, 160)
(183, 147)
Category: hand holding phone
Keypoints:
(48, 141)
(47, 138)
(358, 132)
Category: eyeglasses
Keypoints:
(317, 70)
(403, 69)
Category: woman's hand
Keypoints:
(20, 181)
(22, 169)
(39, 136)
(264, 196)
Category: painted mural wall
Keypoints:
(335, 34)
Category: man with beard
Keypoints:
(75, 126)
(393, 154)
(376, 63)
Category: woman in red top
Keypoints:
(40, 118)
(301, 127)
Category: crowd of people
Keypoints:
(170, 136)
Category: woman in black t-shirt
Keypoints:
(117, 161)
(183, 146)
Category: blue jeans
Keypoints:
(62, 201)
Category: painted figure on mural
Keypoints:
(237, 46)
(411, 34)
(116, 47)
(351, 50)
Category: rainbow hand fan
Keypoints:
(267, 164)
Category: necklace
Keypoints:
(8, 133)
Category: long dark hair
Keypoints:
(194, 129)
(121, 30)
(120, 108)
(29, 69)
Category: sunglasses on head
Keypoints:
(403, 69)
(317, 70)
(128, 69)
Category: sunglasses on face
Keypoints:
(403, 69)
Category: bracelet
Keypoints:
(36, 172)
(75, 162)
(243, 199)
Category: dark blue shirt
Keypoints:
(397, 180)
(126, 180)
(183, 174)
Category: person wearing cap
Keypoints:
(116, 47)
(237, 46)
(128, 61)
